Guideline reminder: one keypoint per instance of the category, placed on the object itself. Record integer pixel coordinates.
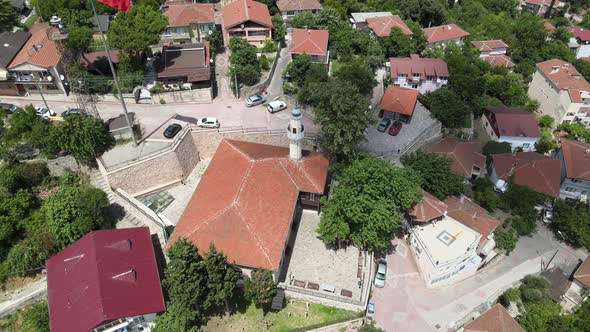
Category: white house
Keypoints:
(512, 125)
(422, 74)
(359, 20)
(575, 169)
(493, 52)
(580, 41)
(444, 34)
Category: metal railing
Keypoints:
(156, 220)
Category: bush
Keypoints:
(493, 147)
(26, 255)
(32, 174)
(157, 88)
(36, 318)
(9, 180)
(523, 225)
(532, 295)
(505, 239)
(264, 64)
(269, 46)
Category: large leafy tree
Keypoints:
(85, 137)
(245, 65)
(136, 30)
(572, 219)
(427, 12)
(221, 279)
(397, 44)
(279, 30)
(260, 287)
(446, 106)
(36, 317)
(365, 207)
(177, 318)
(435, 170)
(359, 75)
(8, 16)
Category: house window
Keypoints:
(395, 84)
(205, 27)
(476, 169)
(402, 75)
(416, 75)
(290, 13)
(414, 86)
(570, 189)
(180, 30)
(486, 124)
(525, 145)
(430, 78)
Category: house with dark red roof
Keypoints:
(512, 125)
(562, 92)
(292, 8)
(381, 26)
(422, 74)
(572, 288)
(188, 22)
(495, 319)
(428, 210)
(398, 103)
(247, 19)
(575, 169)
(536, 171)
(185, 65)
(465, 157)
(493, 52)
(311, 42)
(444, 35)
(108, 279)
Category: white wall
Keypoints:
(458, 41)
(526, 143)
(423, 85)
(573, 188)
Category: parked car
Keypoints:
(172, 130)
(9, 107)
(381, 272)
(44, 111)
(501, 186)
(255, 100)
(208, 122)
(383, 125)
(71, 111)
(547, 215)
(395, 128)
(276, 106)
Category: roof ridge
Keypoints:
(99, 285)
(264, 250)
(246, 8)
(244, 154)
(289, 175)
(309, 177)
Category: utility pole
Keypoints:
(42, 96)
(236, 84)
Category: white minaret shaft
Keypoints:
(295, 134)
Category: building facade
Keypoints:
(249, 20)
(575, 170)
(422, 74)
(188, 23)
(579, 41)
(512, 125)
(444, 35)
(292, 8)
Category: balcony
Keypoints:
(28, 77)
(175, 36)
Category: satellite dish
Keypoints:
(61, 77)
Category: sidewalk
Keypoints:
(24, 296)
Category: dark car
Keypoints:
(383, 125)
(172, 130)
(9, 107)
(71, 111)
(395, 128)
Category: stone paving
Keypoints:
(312, 261)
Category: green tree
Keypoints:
(9, 179)
(178, 317)
(25, 257)
(427, 12)
(435, 170)
(245, 64)
(298, 68)
(279, 30)
(14, 208)
(509, 88)
(529, 37)
(36, 317)
(446, 106)
(493, 147)
(306, 20)
(134, 31)
(221, 279)
(8, 16)
(546, 121)
(398, 44)
(505, 239)
(79, 37)
(572, 220)
(260, 287)
(358, 74)
(537, 316)
(85, 137)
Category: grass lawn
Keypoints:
(250, 318)
(29, 22)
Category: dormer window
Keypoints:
(416, 75)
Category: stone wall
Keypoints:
(194, 96)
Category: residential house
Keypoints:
(11, 42)
(495, 319)
(444, 34)
(575, 169)
(38, 63)
(579, 41)
(536, 171)
(493, 52)
(312, 42)
(248, 200)
(540, 7)
(106, 281)
(185, 65)
(512, 125)
(579, 287)
(465, 157)
(104, 21)
(423, 74)
(359, 20)
(188, 23)
(399, 103)
(247, 19)
(428, 210)
(292, 8)
(382, 26)
(92, 61)
(561, 91)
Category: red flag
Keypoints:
(119, 4)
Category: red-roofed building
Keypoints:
(512, 125)
(575, 291)
(423, 74)
(247, 19)
(530, 169)
(475, 217)
(108, 278)
(189, 22)
(292, 8)
(38, 63)
(398, 103)
(580, 41)
(561, 91)
(89, 59)
(495, 319)
(312, 42)
(444, 34)
(383, 25)
(575, 169)
(185, 64)
(465, 157)
(540, 7)
(493, 52)
(429, 209)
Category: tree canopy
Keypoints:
(572, 220)
(8, 16)
(85, 137)
(358, 74)
(245, 65)
(134, 31)
(260, 287)
(435, 170)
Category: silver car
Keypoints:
(208, 122)
(381, 272)
(44, 111)
(255, 100)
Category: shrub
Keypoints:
(264, 64)
(26, 255)
(493, 147)
(157, 88)
(32, 174)
(9, 181)
(162, 101)
(269, 46)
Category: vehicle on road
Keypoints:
(381, 272)
(276, 106)
(172, 130)
(383, 125)
(208, 122)
(395, 128)
(255, 100)
(547, 215)
(9, 107)
(501, 186)
(71, 111)
(44, 111)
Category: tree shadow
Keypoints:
(114, 214)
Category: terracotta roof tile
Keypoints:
(285, 5)
(444, 32)
(583, 273)
(576, 157)
(244, 202)
(415, 64)
(463, 155)
(488, 45)
(533, 170)
(580, 33)
(313, 42)
(90, 57)
(241, 11)
(185, 14)
(471, 215)
(500, 60)
(39, 50)
(563, 75)
(495, 319)
(430, 208)
(382, 26)
(189, 61)
(548, 26)
(399, 100)
(513, 122)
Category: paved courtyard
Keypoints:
(311, 261)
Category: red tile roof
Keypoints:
(471, 215)
(39, 50)
(430, 208)
(444, 32)
(382, 26)
(488, 45)
(415, 64)
(185, 14)
(580, 33)
(501, 60)
(512, 122)
(576, 158)
(495, 319)
(399, 100)
(244, 202)
(585, 58)
(285, 5)
(583, 273)
(313, 42)
(106, 275)
(90, 57)
(533, 170)
(563, 75)
(463, 155)
(241, 11)
(548, 26)
(188, 61)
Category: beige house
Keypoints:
(247, 19)
(188, 23)
(562, 92)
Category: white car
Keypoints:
(44, 111)
(276, 106)
(381, 272)
(208, 122)
(547, 216)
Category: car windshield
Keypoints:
(380, 276)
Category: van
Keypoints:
(276, 106)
